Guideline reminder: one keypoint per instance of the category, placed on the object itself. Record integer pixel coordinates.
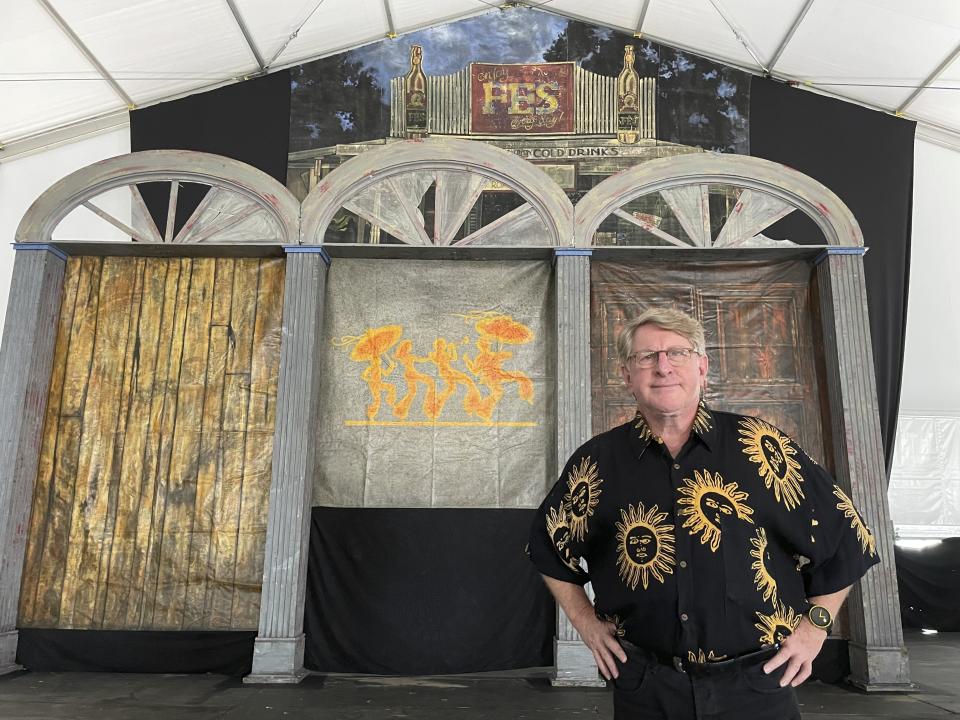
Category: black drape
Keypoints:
(424, 592)
(866, 158)
(247, 121)
(145, 651)
(929, 582)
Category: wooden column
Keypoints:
(278, 649)
(26, 360)
(574, 661)
(878, 658)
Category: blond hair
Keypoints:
(666, 319)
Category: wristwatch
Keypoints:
(819, 617)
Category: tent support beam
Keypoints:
(238, 18)
(391, 30)
(740, 36)
(789, 36)
(85, 51)
(931, 78)
(644, 5)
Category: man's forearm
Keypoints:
(572, 598)
(833, 601)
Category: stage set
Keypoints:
(304, 427)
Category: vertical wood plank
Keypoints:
(94, 468)
(75, 390)
(236, 399)
(184, 458)
(47, 480)
(258, 449)
(172, 341)
(209, 478)
(123, 485)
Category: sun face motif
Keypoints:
(764, 580)
(707, 501)
(615, 620)
(558, 528)
(583, 494)
(774, 453)
(645, 546)
(864, 535)
(777, 627)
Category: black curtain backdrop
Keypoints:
(144, 651)
(248, 121)
(866, 158)
(424, 592)
(929, 582)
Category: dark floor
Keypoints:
(934, 660)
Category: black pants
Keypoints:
(647, 690)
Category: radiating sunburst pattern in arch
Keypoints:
(774, 453)
(645, 546)
(766, 583)
(864, 534)
(706, 501)
(583, 494)
(777, 627)
(558, 528)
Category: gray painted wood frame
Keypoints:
(26, 361)
(575, 664)
(278, 648)
(878, 657)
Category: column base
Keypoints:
(879, 669)
(8, 652)
(576, 666)
(277, 660)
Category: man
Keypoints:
(718, 551)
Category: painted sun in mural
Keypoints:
(558, 528)
(706, 501)
(646, 546)
(777, 627)
(766, 583)
(774, 453)
(864, 535)
(583, 494)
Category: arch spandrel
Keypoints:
(779, 188)
(239, 196)
(403, 171)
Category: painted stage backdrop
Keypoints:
(441, 385)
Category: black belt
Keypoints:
(715, 667)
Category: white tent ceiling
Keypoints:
(68, 67)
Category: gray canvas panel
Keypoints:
(438, 385)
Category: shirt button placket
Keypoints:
(684, 589)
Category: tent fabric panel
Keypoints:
(337, 25)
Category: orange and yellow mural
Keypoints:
(475, 365)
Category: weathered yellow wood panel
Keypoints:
(151, 498)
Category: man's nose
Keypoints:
(663, 364)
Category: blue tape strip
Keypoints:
(42, 246)
(315, 249)
(557, 252)
(838, 251)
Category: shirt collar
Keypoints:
(704, 427)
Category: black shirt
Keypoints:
(708, 555)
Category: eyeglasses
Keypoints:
(678, 356)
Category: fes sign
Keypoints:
(524, 99)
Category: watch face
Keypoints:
(820, 616)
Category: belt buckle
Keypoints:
(678, 664)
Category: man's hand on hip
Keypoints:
(601, 638)
(798, 652)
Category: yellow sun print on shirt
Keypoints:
(777, 627)
(558, 528)
(645, 546)
(702, 658)
(864, 535)
(583, 494)
(764, 580)
(774, 453)
(707, 501)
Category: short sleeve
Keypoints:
(553, 547)
(835, 537)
